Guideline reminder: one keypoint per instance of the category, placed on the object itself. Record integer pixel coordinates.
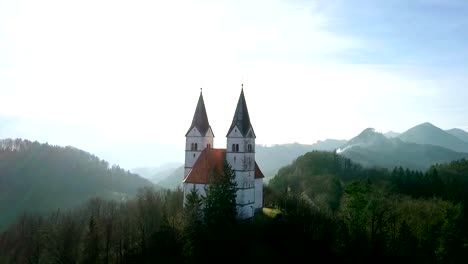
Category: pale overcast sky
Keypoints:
(121, 79)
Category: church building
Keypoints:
(202, 160)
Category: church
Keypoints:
(202, 160)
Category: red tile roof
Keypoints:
(258, 172)
(211, 161)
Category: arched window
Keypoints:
(208, 145)
(249, 148)
(196, 146)
(191, 146)
(237, 147)
(233, 147)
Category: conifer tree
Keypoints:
(220, 201)
(193, 218)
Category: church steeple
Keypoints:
(202, 160)
(199, 136)
(200, 118)
(241, 117)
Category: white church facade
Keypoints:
(202, 160)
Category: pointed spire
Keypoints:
(200, 118)
(241, 116)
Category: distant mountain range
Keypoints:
(418, 148)
(157, 174)
(272, 158)
(373, 149)
(461, 134)
(269, 158)
(391, 134)
(427, 133)
(173, 179)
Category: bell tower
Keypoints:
(198, 137)
(240, 153)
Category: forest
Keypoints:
(37, 177)
(321, 207)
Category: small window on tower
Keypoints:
(249, 148)
(233, 147)
(208, 145)
(194, 155)
(196, 146)
(237, 147)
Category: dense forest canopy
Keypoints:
(42, 177)
(326, 206)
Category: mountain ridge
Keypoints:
(459, 133)
(427, 133)
(373, 149)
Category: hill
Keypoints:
(173, 179)
(325, 206)
(156, 174)
(391, 134)
(41, 177)
(371, 149)
(272, 158)
(427, 133)
(459, 133)
(269, 158)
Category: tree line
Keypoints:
(328, 209)
(41, 177)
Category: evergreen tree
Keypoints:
(219, 214)
(220, 201)
(193, 217)
(193, 210)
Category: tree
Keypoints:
(220, 202)
(451, 245)
(91, 247)
(193, 218)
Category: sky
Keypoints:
(121, 79)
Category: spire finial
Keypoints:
(201, 90)
(242, 86)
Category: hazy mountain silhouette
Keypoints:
(156, 174)
(272, 158)
(269, 158)
(41, 177)
(459, 133)
(373, 149)
(391, 134)
(427, 133)
(173, 179)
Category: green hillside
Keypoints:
(42, 177)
